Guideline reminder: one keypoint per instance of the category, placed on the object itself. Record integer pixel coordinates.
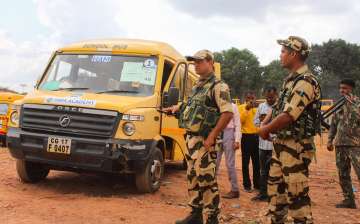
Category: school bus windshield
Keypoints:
(3, 109)
(120, 75)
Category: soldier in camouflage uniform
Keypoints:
(294, 122)
(344, 133)
(205, 114)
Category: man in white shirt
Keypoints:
(230, 143)
(265, 146)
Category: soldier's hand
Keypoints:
(236, 145)
(209, 141)
(172, 109)
(262, 117)
(350, 98)
(263, 133)
(330, 147)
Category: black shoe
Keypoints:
(195, 217)
(257, 189)
(213, 219)
(248, 189)
(347, 203)
(231, 195)
(260, 197)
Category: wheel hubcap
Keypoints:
(156, 171)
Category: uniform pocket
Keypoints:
(195, 119)
(297, 184)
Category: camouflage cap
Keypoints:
(201, 55)
(297, 44)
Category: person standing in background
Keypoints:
(249, 142)
(344, 133)
(230, 143)
(265, 146)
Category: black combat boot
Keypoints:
(347, 203)
(195, 217)
(212, 219)
(231, 195)
(260, 197)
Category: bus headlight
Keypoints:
(14, 115)
(128, 128)
(14, 118)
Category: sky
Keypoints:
(30, 30)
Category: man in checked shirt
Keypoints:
(265, 146)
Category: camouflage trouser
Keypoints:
(202, 184)
(288, 187)
(345, 156)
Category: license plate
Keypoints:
(59, 145)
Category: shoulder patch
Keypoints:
(225, 95)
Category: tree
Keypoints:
(5, 89)
(240, 70)
(330, 62)
(333, 61)
(273, 75)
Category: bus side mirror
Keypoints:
(171, 97)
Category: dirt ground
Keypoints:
(69, 198)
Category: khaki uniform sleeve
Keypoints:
(301, 95)
(222, 97)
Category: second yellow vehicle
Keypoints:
(96, 108)
(6, 99)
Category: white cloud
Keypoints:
(187, 25)
(258, 24)
(20, 63)
(70, 21)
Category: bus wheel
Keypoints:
(148, 179)
(30, 172)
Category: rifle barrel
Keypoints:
(335, 107)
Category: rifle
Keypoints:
(333, 109)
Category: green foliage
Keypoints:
(241, 71)
(273, 75)
(4, 89)
(333, 61)
(330, 61)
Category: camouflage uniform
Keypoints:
(293, 151)
(202, 184)
(344, 133)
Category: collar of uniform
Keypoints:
(201, 82)
(298, 72)
(302, 69)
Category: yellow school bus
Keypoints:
(326, 104)
(97, 107)
(6, 98)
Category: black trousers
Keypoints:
(265, 158)
(250, 150)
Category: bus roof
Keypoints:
(132, 46)
(9, 97)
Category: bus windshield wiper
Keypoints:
(118, 91)
(71, 88)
